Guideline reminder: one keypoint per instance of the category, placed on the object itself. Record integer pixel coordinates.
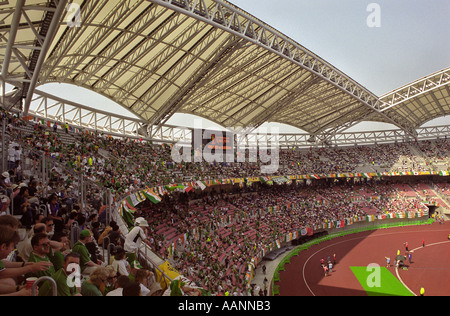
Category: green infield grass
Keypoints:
(379, 281)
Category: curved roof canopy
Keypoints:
(421, 101)
(202, 57)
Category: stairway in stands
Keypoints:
(444, 204)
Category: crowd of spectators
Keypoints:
(37, 219)
(241, 222)
(123, 164)
(212, 237)
(444, 188)
(46, 252)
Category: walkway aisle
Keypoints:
(271, 266)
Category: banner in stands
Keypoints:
(128, 206)
(169, 271)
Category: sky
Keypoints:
(382, 44)
(411, 40)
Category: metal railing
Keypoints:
(151, 265)
(74, 233)
(107, 245)
(43, 279)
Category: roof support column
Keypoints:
(53, 28)
(12, 37)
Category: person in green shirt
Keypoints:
(41, 251)
(9, 271)
(58, 254)
(86, 264)
(67, 279)
(96, 284)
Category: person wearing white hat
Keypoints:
(136, 236)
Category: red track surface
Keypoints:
(430, 267)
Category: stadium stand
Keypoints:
(199, 228)
(190, 229)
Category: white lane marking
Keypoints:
(363, 237)
(414, 250)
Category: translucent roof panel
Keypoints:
(202, 57)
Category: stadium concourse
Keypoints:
(72, 176)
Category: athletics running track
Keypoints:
(430, 267)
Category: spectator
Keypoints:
(96, 284)
(132, 289)
(4, 203)
(111, 280)
(81, 220)
(49, 226)
(121, 282)
(60, 248)
(135, 237)
(106, 232)
(12, 155)
(37, 218)
(10, 221)
(25, 248)
(86, 264)
(61, 277)
(9, 271)
(34, 192)
(8, 238)
(5, 183)
(18, 173)
(120, 264)
(115, 237)
(145, 280)
(41, 250)
(93, 218)
(54, 213)
(23, 207)
(71, 219)
(95, 226)
(16, 190)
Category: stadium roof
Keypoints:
(202, 57)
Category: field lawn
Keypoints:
(379, 282)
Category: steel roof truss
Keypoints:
(177, 70)
(272, 42)
(130, 33)
(72, 113)
(109, 24)
(12, 39)
(136, 55)
(72, 35)
(416, 89)
(152, 65)
(201, 78)
(49, 37)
